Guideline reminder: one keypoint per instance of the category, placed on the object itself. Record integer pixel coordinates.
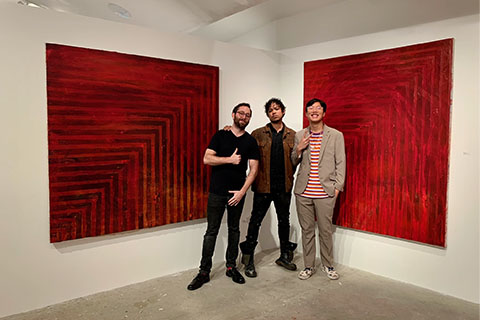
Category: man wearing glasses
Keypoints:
(229, 153)
(320, 151)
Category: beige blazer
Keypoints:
(331, 165)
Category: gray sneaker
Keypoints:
(306, 273)
(331, 272)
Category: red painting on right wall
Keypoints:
(393, 107)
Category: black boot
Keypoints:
(201, 278)
(291, 246)
(286, 256)
(248, 250)
(247, 260)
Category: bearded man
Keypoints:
(229, 153)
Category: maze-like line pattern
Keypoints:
(126, 140)
(393, 107)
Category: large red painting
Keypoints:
(126, 138)
(393, 107)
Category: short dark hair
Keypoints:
(242, 104)
(311, 102)
(277, 102)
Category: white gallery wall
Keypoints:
(35, 273)
(454, 270)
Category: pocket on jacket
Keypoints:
(262, 143)
(290, 143)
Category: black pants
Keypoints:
(215, 209)
(261, 203)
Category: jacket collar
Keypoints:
(266, 129)
(326, 129)
(326, 135)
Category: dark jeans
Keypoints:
(215, 209)
(261, 203)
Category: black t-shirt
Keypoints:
(228, 177)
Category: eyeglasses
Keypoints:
(243, 114)
(316, 108)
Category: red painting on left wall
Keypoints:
(126, 137)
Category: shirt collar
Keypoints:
(272, 129)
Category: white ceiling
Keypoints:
(227, 20)
(169, 15)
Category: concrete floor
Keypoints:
(275, 294)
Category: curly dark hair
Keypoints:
(276, 101)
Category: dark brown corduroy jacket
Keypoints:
(263, 136)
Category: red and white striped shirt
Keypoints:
(314, 188)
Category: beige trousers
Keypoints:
(307, 210)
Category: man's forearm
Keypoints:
(250, 178)
(210, 158)
(213, 160)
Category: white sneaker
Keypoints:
(306, 273)
(331, 272)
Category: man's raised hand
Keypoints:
(235, 158)
(303, 143)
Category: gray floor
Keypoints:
(275, 294)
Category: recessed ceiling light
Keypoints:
(119, 11)
(29, 3)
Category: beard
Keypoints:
(241, 124)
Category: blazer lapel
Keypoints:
(326, 136)
(305, 131)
